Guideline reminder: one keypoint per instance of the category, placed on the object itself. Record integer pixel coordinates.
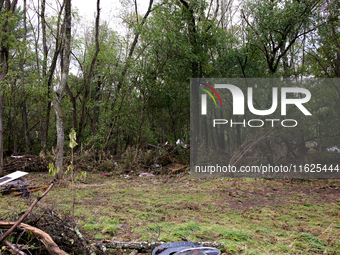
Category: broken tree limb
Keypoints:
(15, 250)
(43, 237)
(147, 245)
(178, 169)
(26, 213)
(31, 190)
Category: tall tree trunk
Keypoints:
(96, 109)
(57, 102)
(195, 72)
(4, 52)
(45, 125)
(23, 91)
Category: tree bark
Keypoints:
(58, 97)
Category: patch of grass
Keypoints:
(99, 236)
(92, 227)
(154, 228)
(307, 204)
(200, 210)
(235, 235)
(112, 229)
(312, 240)
(190, 227)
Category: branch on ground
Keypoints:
(43, 237)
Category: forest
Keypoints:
(119, 90)
(115, 102)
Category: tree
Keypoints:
(59, 92)
(274, 26)
(7, 9)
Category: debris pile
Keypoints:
(12, 184)
(27, 163)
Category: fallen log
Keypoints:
(43, 237)
(140, 246)
(31, 190)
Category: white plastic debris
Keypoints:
(12, 177)
(146, 175)
(179, 142)
(334, 148)
(126, 176)
(16, 156)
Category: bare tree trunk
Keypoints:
(44, 73)
(65, 62)
(60, 134)
(24, 111)
(96, 109)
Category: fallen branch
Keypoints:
(16, 250)
(2, 238)
(146, 245)
(31, 190)
(43, 237)
(178, 169)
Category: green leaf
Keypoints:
(73, 139)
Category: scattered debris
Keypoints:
(147, 246)
(16, 156)
(11, 183)
(183, 248)
(150, 146)
(27, 163)
(177, 167)
(179, 142)
(146, 175)
(29, 190)
(333, 149)
(12, 177)
(126, 176)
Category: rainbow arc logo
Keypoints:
(208, 92)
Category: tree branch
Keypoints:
(2, 238)
(16, 250)
(42, 236)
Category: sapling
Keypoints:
(53, 171)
